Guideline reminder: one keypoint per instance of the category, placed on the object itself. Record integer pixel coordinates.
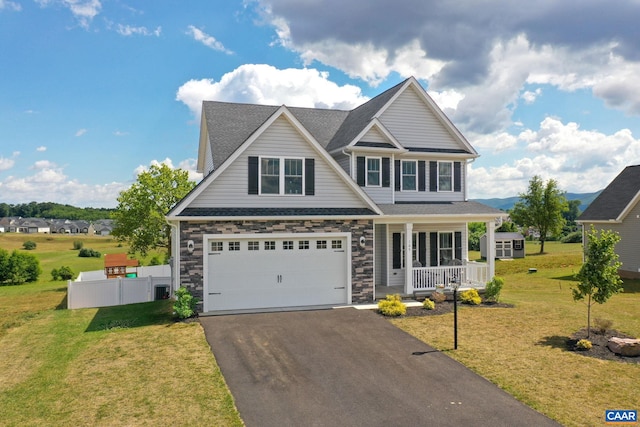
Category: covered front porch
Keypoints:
(417, 254)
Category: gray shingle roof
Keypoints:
(440, 208)
(613, 200)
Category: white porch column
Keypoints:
(491, 249)
(408, 258)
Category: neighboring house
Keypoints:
(33, 225)
(507, 245)
(103, 227)
(118, 265)
(304, 207)
(617, 209)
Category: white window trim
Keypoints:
(281, 177)
(366, 167)
(415, 162)
(452, 177)
(453, 245)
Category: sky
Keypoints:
(94, 91)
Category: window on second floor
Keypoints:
(445, 176)
(409, 175)
(373, 171)
(281, 175)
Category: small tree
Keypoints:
(541, 207)
(598, 276)
(29, 245)
(140, 214)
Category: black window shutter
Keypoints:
(361, 170)
(253, 175)
(457, 177)
(397, 174)
(422, 249)
(458, 244)
(422, 175)
(309, 177)
(386, 172)
(397, 243)
(433, 249)
(433, 176)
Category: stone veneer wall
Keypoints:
(191, 264)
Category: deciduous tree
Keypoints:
(139, 216)
(541, 207)
(598, 276)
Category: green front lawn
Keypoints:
(522, 349)
(127, 365)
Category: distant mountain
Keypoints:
(508, 202)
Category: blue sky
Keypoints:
(93, 91)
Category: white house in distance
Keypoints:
(308, 207)
(507, 245)
(617, 209)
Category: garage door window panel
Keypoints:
(321, 244)
(217, 246)
(303, 244)
(270, 245)
(287, 245)
(254, 246)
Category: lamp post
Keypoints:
(455, 284)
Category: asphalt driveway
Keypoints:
(348, 367)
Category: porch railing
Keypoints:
(472, 275)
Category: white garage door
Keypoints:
(266, 271)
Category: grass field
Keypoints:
(132, 365)
(127, 365)
(522, 350)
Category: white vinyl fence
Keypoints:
(120, 291)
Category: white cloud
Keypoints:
(264, 84)
(80, 132)
(188, 165)
(6, 164)
(207, 40)
(44, 164)
(83, 10)
(41, 148)
(580, 160)
(530, 97)
(128, 30)
(49, 183)
(120, 133)
(10, 5)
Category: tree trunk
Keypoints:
(589, 317)
(541, 246)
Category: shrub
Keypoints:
(89, 253)
(574, 237)
(18, 267)
(602, 325)
(427, 304)
(29, 245)
(493, 288)
(77, 245)
(470, 297)
(62, 273)
(438, 297)
(392, 305)
(583, 344)
(155, 260)
(185, 305)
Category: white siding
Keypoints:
(374, 135)
(413, 124)
(344, 161)
(628, 249)
(281, 139)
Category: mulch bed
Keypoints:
(599, 349)
(447, 307)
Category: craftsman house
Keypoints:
(617, 209)
(307, 207)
